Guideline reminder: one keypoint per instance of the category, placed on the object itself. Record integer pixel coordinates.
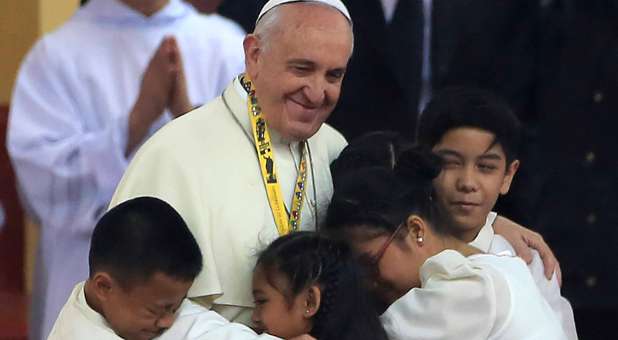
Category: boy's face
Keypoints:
(274, 313)
(474, 174)
(147, 309)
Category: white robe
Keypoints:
(204, 164)
(67, 130)
(477, 297)
(78, 321)
(488, 242)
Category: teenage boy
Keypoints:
(143, 259)
(477, 135)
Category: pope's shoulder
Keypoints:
(331, 140)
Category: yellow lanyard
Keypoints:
(285, 222)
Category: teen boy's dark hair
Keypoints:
(459, 107)
(141, 237)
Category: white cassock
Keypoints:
(478, 297)
(78, 321)
(488, 242)
(67, 130)
(205, 165)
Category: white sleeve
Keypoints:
(455, 304)
(195, 322)
(550, 289)
(66, 170)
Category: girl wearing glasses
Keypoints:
(433, 286)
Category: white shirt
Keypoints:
(78, 321)
(67, 129)
(204, 164)
(488, 242)
(477, 297)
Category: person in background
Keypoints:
(569, 191)
(86, 96)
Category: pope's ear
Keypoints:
(252, 48)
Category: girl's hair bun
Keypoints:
(418, 165)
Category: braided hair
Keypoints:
(307, 258)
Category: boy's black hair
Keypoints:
(380, 198)
(306, 258)
(141, 237)
(458, 107)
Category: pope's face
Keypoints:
(298, 72)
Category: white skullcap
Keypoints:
(336, 4)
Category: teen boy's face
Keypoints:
(474, 174)
(147, 309)
(274, 313)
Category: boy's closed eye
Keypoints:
(487, 167)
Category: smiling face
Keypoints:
(274, 312)
(474, 174)
(298, 71)
(144, 311)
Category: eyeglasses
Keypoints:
(371, 262)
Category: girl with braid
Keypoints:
(307, 283)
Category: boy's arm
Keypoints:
(523, 240)
(195, 322)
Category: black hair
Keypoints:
(141, 237)
(373, 149)
(457, 107)
(305, 258)
(381, 198)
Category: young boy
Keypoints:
(143, 259)
(477, 135)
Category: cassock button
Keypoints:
(591, 219)
(590, 157)
(598, 97)
(591, 281)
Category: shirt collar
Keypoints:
(86, 310)
(117, 11)
(486, 234)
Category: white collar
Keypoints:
(116, 11)
(483, 239)
(87, 311)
